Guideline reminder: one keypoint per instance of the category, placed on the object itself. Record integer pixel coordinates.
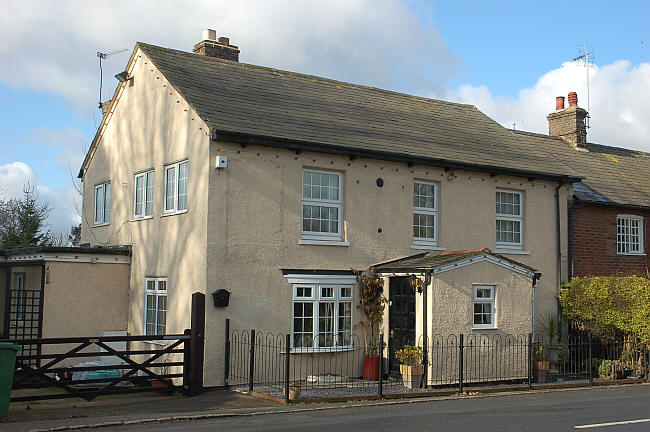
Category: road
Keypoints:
(568, 410)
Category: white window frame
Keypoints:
(103, 216)
(174, 193)
(624, 243)
(483, 300)
(313, 236)
(425, 241)
(316, 283)
(157, 293)
(147, 196)
(513, 218)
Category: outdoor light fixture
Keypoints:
(123, 76)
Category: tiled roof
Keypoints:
(430, 261)
(613, 175)
(239, 98)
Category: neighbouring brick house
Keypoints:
(609, 211)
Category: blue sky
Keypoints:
(508, 58)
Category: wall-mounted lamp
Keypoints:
(123, 76)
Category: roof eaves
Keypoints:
(292, 144)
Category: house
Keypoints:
(273, 185)
(62, 292)
(609, 211)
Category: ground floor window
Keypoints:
(321, 313)
(483, 306)
(155, 306)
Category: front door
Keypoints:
(401, 317)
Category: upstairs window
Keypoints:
(102, 204)
(483, 306)
(425, 213)
(176, 176)
(509, 211)
(321, 205)
(629, 235)
(143, 195)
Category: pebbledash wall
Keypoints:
(147, 129)
(255, 230)
(243, 223)
(593, 242)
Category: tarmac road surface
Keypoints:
(608, 409)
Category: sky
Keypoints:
(508, 58)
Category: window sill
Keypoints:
(431, 247)
(141, 218)
(156, 342)
(173, 213)
(632, 254)
(319, 350)
(323, 242)
(485, 328)
(512, 251)
(101, 224)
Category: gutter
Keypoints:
(245, 139)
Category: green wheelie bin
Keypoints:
(7, 363)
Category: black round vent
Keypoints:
(380, 182)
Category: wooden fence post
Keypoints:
(187, 362)
(197, 343)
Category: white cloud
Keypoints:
(16, 176)
(13, 178)
(618, 102)
(53, 47)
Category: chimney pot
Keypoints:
(559, 103)
(209, 34)
(224, 40)
(573, 98)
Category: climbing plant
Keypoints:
(372, 303)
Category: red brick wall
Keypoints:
(593, 241)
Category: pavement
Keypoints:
(138, 409)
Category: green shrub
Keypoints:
(605, 369)
(609, 305)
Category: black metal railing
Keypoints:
(269, 363)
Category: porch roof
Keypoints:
(438, 263)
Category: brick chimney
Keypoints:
(221, 48)
(569, 123)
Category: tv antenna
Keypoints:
(586, 57)
(102, 56)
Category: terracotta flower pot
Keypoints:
(371, 368)
(162, 389)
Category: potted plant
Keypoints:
(372, 305)
(411, 367)
(540, 365)
(159, 384)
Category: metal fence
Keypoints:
(267, 362)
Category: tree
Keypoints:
(74, 238)
(22, 221)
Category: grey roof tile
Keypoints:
(255, 100)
